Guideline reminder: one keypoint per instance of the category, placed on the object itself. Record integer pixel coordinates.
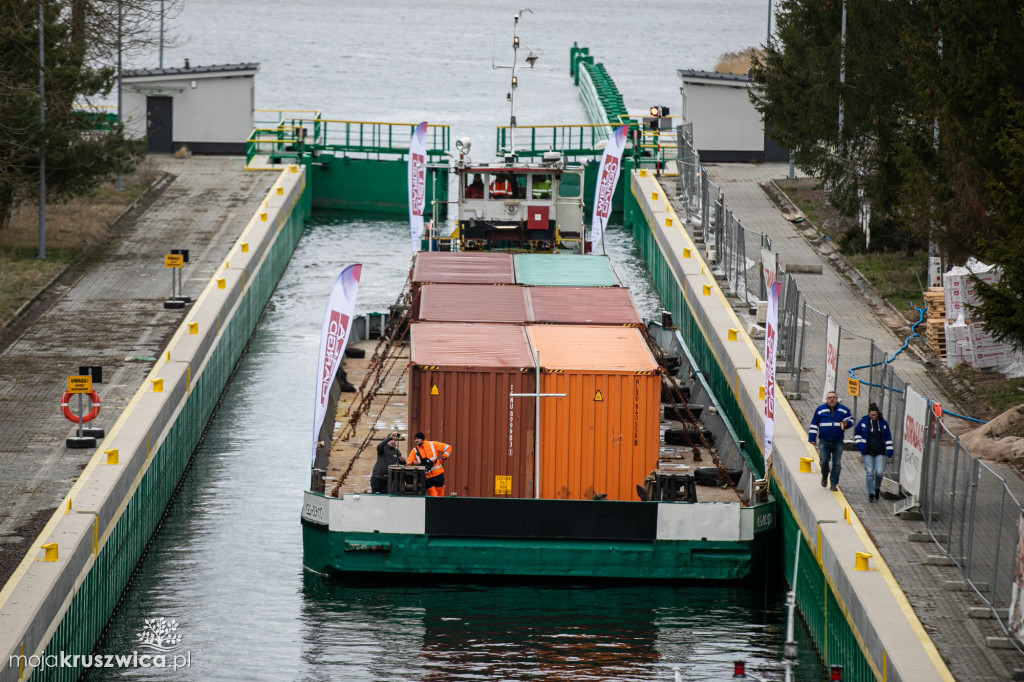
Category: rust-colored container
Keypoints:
(582, 305)
(443, 267)
(472, 303)
(602, 437)
(461, 377)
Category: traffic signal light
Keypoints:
(660, 121)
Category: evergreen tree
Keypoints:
(79, 156)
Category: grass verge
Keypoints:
(72, 229)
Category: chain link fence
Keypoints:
(969, 510)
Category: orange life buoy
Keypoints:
(71, 416)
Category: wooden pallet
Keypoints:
(935, 336)
(936, 302)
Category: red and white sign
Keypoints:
(915, 421)
(417, 183)
(607, 177)
(769, 267)
(333, 338)
(831, 357)
(1015, 619)
(771, 324)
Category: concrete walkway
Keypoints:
(112, 316)
(946, 615)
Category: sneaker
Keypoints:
(878, 493)
(824, 480)
(834, 488)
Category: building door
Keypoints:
(158, 124)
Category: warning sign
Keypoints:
(502, 485)
(853, 387)
(598, 397)
(433, 390)
(174, 260)
(80, 384)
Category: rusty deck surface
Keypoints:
(109, 313)
(354, 444)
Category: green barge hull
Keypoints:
(544, 539)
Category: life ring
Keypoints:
(71, 416)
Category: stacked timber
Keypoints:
(935, 321)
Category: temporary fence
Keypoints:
(968, 509)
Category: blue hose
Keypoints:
(906, 342)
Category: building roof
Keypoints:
(191, 71)
(687, 74)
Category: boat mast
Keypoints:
(531, 59)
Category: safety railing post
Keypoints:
(952, 497)
(995, 559)
(800, 352)
(975, 473)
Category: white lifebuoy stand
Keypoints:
(81, 385)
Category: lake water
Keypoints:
(226, 563)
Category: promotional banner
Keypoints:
(915, 421)
(831, 357)
(1015, 618)
(771, 324)
(769, 267)
(417, 183)
(333, 339)
(607, 177)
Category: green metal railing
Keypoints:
(295, 132)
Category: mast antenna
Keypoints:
(531, 59)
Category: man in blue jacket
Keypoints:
(874, 440)
(827, 426)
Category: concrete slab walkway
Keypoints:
(961, 639)
(110, 315)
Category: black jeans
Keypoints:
(378, 485)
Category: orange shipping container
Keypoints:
(602, 437)
(461, 377)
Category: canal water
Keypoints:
(226, 563)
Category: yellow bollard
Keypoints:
(643, 173)
(686, 253)
(707, 289)
(263, 216)
(861, 562)
(69, 506)
(760, 392)
(111, 456)
(245, 247)
(193, 327)
(292, 168)
(50, 551)
(733, 334)
(222, 283)
(168, 356)
(805, 465)
(668, 222)
(280, 191)
(654, 196)
(158, 385)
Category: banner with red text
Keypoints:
(915, 424)
(417, 183)
(771, 324)
(333, 339)
(831, 357)
(607, 177)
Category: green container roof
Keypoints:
(555, 270)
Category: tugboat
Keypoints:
(578, 434)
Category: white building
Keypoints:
(726, 126)
(208, 109)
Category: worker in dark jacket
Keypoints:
(828, 424)
(387, 454)
(874, 440)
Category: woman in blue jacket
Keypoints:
(874, 440)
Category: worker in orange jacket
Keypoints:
(430, 454)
